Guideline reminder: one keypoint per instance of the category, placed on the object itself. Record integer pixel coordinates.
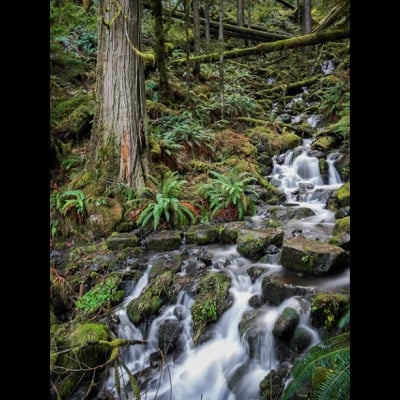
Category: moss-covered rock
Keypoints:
(271, 142)
(343, 194)
(326, 311)
(341, 233)
(342, 165)
(271, 386)
(301, 339)
(231, 143)
(164, 240)
(274, 290)
(285, 213)
(83, 340)
(312, 256)
(229, 231)
(211, 301)
(202, 234)
(161, 290)
(324, 143)
(119, 241)
(252, 243)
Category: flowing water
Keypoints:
(224, 367)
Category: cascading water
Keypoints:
(297, 174)
(224, 367)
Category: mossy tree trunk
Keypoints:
(165, 94)
(263, 48)
(119, 136)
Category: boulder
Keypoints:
(202, 234)
(312, 256)
(164, 240)
(119, 241)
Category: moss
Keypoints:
(266, 139)
(341, 225)
(324, 143)
(72, 115)
(88, 333)
(326, 311)
(343, 194)
(211, 301)
(158, 292)
(231, 143)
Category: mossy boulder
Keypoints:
(326, 310)
(212, 299)
(202, 234)
(274, 290)
(119, 241)
(285, 213)
(231, 143)
(271, 142)
(312, 256)
(324, 143)
(83, 340)
(341, 233)
(164, 240)
(229, 232)
(342, 165)
(253, 243)
(168, 335)
(300, 340)
(343, 194)
(103, 218)
(161, 290)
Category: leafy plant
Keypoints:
(327, 367)
(304, 259)
(162, 202)
(98, 296)
(227, 192)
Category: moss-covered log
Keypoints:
(263, 48)
(288, 88)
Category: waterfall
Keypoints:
(223, 367)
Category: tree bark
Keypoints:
(307, 22)
(119, 135)
(240, 13)
(165, 94)
(264, 48)
(221, 56)
(196, 35)
(206, 22)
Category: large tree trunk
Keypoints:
(119, 136)
(221, 56)
(165, 94)
(263, 48)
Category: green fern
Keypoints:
(163, 204)
(333, 355)
(224, 191)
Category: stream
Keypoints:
(224, 367)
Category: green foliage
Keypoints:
(182, 132)
(333, 356)
(224, 191)
(305, 258)
(335, 98)
(99, 296)
(162, 202)
(342, 127)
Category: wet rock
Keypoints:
(168, 334)
(301, 339)
(202, 234)
(342, 165)
(271, 249)
(312, 256)
(164, 241)
(341, 233)
(254, 272)
(253, 243)
(230, 232)
(286, 324)
(342, 212)
(286, 213)
(256, 301)
(121, 241)
(272, 385)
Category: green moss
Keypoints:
(211, 301)
(324, 143)
(343, 194)
(88, 333)
(341, 225)
(326, 311)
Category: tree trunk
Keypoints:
(249, 43)
(221, 55)
(196, 35)
(165, 94)
(263, 48)
(119, 136)
(240, 12)
(307, 23)
(206, 22)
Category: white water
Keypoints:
(300, 179)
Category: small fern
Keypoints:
(333, 355)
